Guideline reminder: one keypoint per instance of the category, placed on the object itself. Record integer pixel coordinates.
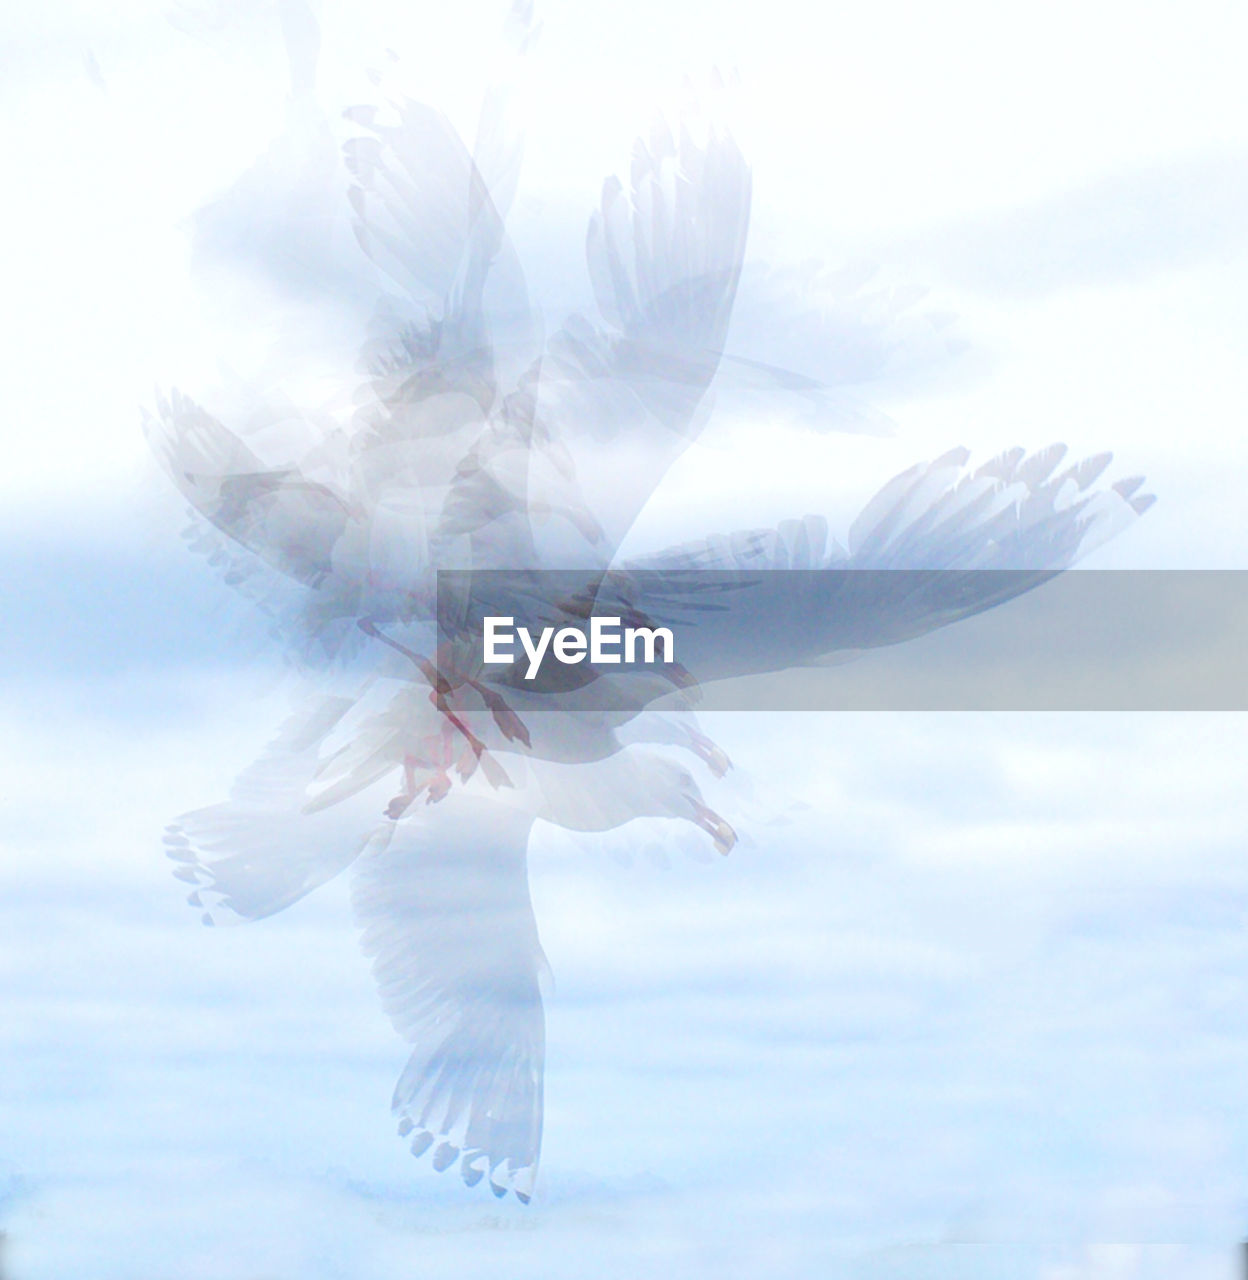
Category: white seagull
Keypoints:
(477, 442)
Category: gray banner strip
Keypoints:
(895, 640)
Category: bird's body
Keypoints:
(480, 440)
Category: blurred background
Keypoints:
(980, 1007)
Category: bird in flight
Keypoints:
(480, 440)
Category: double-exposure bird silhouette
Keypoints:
(474, 439)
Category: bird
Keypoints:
(480, 441)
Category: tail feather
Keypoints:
(260, 851)
(446, 917)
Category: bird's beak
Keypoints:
(723, 835)
(716, 758)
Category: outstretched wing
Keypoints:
(446, 917)
(625, 389)
(276, 512)
(260, 851)
(431, 216)
(1017, 511)
(942, 544)
(452, 356)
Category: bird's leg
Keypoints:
(510, 724)
(440, 783)
(411, 789)
(440, 686)
(475, 745)
(426, 668)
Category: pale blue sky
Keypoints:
(980, 1006)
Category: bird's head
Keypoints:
(680, 797)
